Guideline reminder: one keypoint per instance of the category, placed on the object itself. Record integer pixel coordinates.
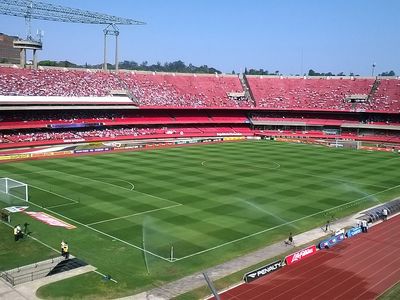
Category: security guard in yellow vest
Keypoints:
(66, 251)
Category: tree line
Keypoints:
(180, 67)
(176, 66)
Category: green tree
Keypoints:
(390, 73)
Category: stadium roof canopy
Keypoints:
(50, 12)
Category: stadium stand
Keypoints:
(175, 105)
(326, 93)
(56, 82)
(172, 90)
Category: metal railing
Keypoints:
(30, 272)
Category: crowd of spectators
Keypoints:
(150, 89)
(193, 90)
(387, 96)
(110, 133)
(324, 93)
(40, 135)
(205, 90)
(54, 82)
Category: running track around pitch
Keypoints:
(362, 267)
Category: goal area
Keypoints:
(338, 143)
(14, 189)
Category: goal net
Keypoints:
(337, 143)
(13, 188)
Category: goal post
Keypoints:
(339, 143)
(14, 188)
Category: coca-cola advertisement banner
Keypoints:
(303, 253)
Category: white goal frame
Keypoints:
(7, 184)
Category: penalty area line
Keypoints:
(135, 214)
(284, 224)
(117, 186)
(102, 233)
(50, 192)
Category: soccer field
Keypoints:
(174, 211)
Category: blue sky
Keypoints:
(286, 35)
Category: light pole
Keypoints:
(373, 69)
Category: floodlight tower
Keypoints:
(30, 9)
(112, 30)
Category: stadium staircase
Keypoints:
(41, 269)
(246, 89)
(374, 88)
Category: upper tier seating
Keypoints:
(193, 90)
(323, 93)
(65, 83)
(387, 96)
(151, 89)
(206, 91)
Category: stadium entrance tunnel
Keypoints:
(41, 269)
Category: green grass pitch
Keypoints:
(153, 216)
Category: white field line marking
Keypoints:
(49, 171)
(392, 159)
(101, 232)
(58, 195)
(104, 275)
(130, 183)
(135, 214)
(277, 165)
(60, 205)
(54, 249)
(116, 179)
(335, 179)
(117, 186)
(284, 224)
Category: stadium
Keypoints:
(170, 185)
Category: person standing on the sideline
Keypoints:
(384, 214)
(364, 226)
(26, 231)
(62, 247)
(290, 239)
(19, 232)
(327, 226)
(16, 236)
(66, 250)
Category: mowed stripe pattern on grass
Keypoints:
(196, 198)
